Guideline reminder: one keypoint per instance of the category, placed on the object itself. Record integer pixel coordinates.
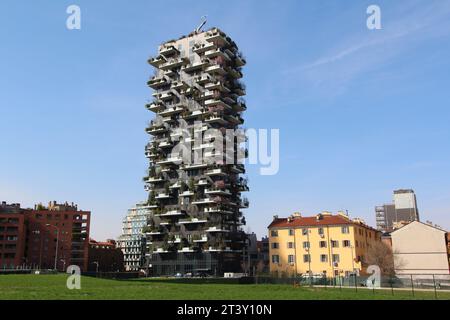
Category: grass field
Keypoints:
(54, 287)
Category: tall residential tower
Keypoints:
(403, 209)
(194, 178)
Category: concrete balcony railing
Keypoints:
(216, 69)
(217, 36)
(157, 82)
(174, 63)
(200, 48)
(157, 61)
(168, 51)
(217, 53)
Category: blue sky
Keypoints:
(360, 112)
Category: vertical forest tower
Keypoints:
(194, 184)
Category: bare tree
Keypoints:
(381, 254)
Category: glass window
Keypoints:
(306, 258)
(345, 229)
(304, 232)
(291, 258)
(306, 245)
(334, 244)
(346, 243)
(274, 245)
(274, 233)
(323, 258)
(320, 230)
(291, 232)
(323, 244)
(291, 245)
(275, 258)
(336, 258)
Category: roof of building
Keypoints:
(323, 220)
(415, 221)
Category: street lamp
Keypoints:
(64, 264)
(96, 263)
(57, 243)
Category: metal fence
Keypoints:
(410, 282)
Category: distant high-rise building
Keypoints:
(132, 240)
(403, 209)
(195, 156)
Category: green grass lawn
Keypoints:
(54, 287)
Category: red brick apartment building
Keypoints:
(105, 256)
(44, 237)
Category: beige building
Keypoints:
(420, 248)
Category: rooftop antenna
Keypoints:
(201, 25)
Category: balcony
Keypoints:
(154, 106)
(174, 63)
(235, 119)
(179, 85)
(204, 201)
(217, 102)
(163, 195)
(217, 210)
(193, 114)
(194, 166)
(203, 238)
(215, 118)
(216, 69)
(171, 213)
(217, 85)
(216, 229)
(193, 220)
(200, 48)
(202, 182)
(235, 73)
(217, 53)
(244, 203)
(153, 179)
(165, 96)
(170, 160)
(155, 129)
(202, 79)
(215, 172)
(240, 60)
(156, 83)
(165, 144)
(240, 107)
(239, 168)
(217, 36)
(171, 111)
(197, 65)
(186, 194)
(168, 51)
(157, 61)
(224, 192)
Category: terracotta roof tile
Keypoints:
(313, 221)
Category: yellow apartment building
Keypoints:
(325, 244)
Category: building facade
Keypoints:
(60, 226)
(403, 209)
(420, 249)
(194, 178)
(326, 244)
(105, 256)
(12, 236)
(44, 237)
(132, 241)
